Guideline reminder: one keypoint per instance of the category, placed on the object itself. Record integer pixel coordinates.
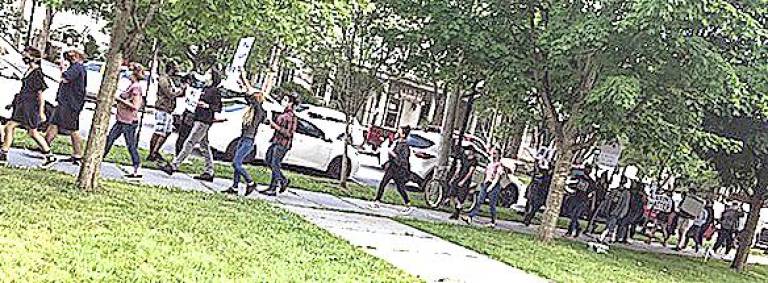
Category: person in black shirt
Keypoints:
(462, 178)
(208, 105)
(29, 108)
(580, 200)
(599, 204)
(71, 100)
(253, 117)
(537, 194)
(398, 168)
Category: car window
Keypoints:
(417, 141)
(308, 129)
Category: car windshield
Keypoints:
(417, 141)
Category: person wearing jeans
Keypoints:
(253, 117)
(282, 141)
(128, 105)
(207, 107)
(489, 189)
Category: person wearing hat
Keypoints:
(167, 93)
(29, 108)
(71, 100)
(208, 106)
(127, 119)
(282, 140)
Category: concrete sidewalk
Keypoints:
(373, 230)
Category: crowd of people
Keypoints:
(629, 209)
(29, 113)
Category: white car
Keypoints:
(313, 148)
(331, 121)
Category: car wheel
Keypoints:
(433, 193)
(509, 196)
(334, 169)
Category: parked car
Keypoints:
(313, 147)
(333, 122)
(761, 241)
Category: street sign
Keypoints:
(609, 155)
(238, 63)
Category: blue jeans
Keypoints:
(494, 197)
(129, 133)
(245, 146)
(275, 155)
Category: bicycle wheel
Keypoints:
(433, 193)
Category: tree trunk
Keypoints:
(742, 252)
(546, 231)
(449, 119)
(94, 151)
(20, 23)
(514, 143)
(45, 31)
(344, 159)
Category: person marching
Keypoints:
(599, 204)
(580, 200)
(29, 108)
(71, 100)
(537, 193)
(282, 141)
(253, 117)
(167, 93)
(462, 178)
(204, 117)
(618, 208)
(490, 188)
(127, 119)
(398, 168)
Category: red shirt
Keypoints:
(286, 127)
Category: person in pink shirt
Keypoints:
(489, 188)
(128, 105)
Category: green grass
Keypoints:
(566, 261)
(50, 231)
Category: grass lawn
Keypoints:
(49, 231)
(565, 261)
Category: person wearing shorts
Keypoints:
(166, 103)
(71, 100)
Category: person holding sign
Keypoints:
(254, 116)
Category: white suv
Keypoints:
(313, 148)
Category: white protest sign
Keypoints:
(609, 155)
(238, 63)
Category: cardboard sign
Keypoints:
(238, 63)
(609, 155)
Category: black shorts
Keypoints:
(66, 120)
